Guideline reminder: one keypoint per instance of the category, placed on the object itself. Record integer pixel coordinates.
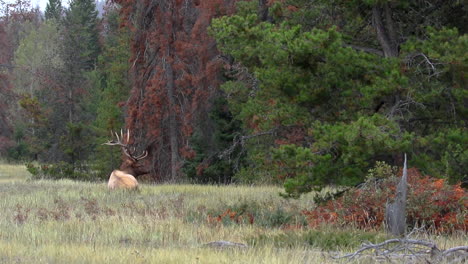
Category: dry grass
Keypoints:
(77, 222)
(85, 223)
(12, 172)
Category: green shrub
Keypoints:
(381, 170)
(61, 170)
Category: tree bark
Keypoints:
(263, 12)
(170, 88)
(384, 27)
(172, 121)
(395, 213)
(70, 107)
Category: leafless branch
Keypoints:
(8, 66)
(405, 248)
(138, 56)
(430, 65)
(455, 250)
(365, 49)
(403, 105)
(241, 73)
(240, 141)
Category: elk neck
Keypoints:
(134, 168)
(128, 170)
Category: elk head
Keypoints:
(130, 168)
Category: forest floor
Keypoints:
(77, 222)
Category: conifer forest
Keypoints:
(306, 93)
(310, 96)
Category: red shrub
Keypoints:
(231, 216)
(431, 203)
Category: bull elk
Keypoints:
(130, 168)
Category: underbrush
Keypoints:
(325, 238)
(263, 214)
(61, 170)
(432, 204)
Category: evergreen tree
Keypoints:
(54, 10)
(36, 81)
(82, 35)
(333, 100)
(211, 136)
(112, 79)
(80, 52)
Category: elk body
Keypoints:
(124, 178)
(120, 179)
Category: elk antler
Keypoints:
(125, 147)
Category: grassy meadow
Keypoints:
(12, 172)
(77, 222)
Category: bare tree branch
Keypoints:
(405, 248)
(455, 249)
(240, 141)
(365, 49)
(8, 66)
(429, 67)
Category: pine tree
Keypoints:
(113, 81)
(6, 141)
(387, 78)
(36, 82)
(54, 10)
(82, 35)
(80, 52)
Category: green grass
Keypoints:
(77, 222)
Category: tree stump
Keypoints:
(395, 213)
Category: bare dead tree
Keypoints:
(395, 213)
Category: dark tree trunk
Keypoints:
(384, 27)
(173, 144)
(263, 12)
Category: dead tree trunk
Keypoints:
(174, 148)
(168, 62)
(395, 213)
